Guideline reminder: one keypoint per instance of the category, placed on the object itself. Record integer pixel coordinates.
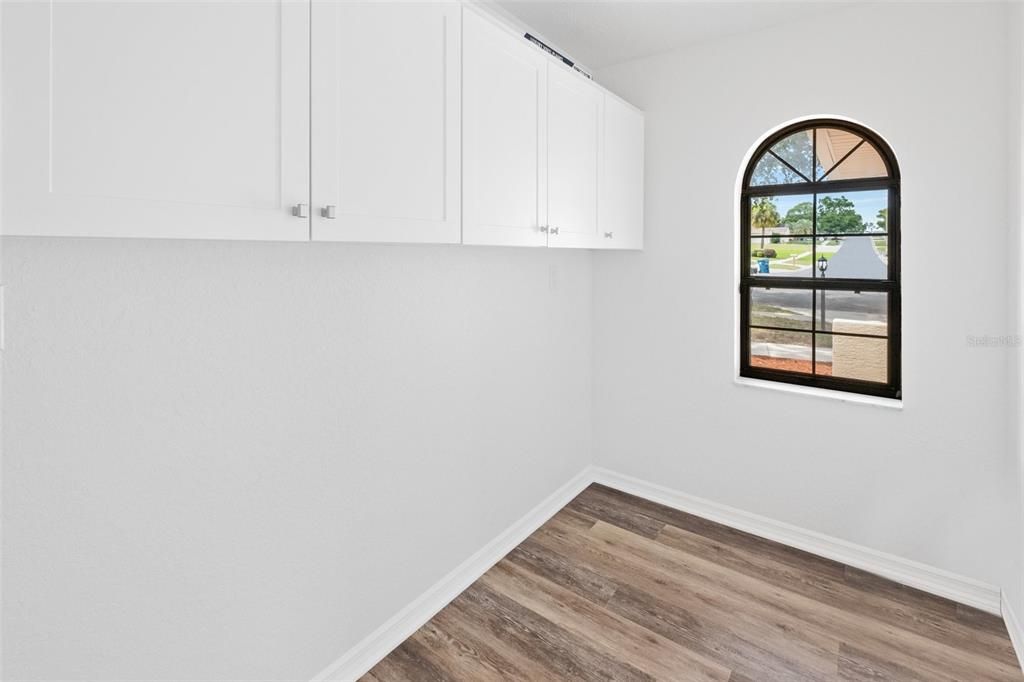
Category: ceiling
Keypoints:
(602, 33)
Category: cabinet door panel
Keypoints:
(621, 205)
(386, 117)
(574, 145)
(152, 119)
(504, 137)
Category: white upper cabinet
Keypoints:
(573, 157)
(621, 205)
(386, 121)
(504, 136)
(156, 119)
(549, 158)
(335, 120)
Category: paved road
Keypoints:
(840, 303)
(856, 257)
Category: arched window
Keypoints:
(820, 260)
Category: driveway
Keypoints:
(857, 258)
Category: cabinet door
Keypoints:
(621, 205)
(504, 90)
(574, 145)
(156, 119)
(386, 117)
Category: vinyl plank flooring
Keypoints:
(795, 613)
(857, 664)
(740, 649)
(459, 655)
(615, 587)
(652, 654)
(410, 661)
(483, 630)
(597, 505)
(567, 654)
(931, 617)
(562, 571)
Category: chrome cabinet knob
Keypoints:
(544, 228)
(609, 235)
(329, 211)
(554, 230)
(300, 210)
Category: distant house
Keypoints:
(768, 232)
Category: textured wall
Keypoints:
(235, 460)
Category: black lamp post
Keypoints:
(822, 267)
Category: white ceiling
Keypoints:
(599, 34)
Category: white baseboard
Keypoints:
(1014, 629)
(920, 576)
(367, 653)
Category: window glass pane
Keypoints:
(865, 211)
(862, 257)
(781, 350)
(787, 308)
(786, 259)
(771, 171)
(780, 228)
(796, 150)
(852, 312)
(833, 145)
(852, 357)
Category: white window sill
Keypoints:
(841, 396)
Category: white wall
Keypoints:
(235, 460)
(934, 482)
(1015, 91)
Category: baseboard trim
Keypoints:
(354, 663)
(911, 573)
(367, 653)
(1014, 629)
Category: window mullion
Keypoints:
(814, 266)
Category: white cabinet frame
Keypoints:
(386, 111)
(84, 154)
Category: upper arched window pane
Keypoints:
(818, 155)
(845, 155)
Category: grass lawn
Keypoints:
(797, 320)
(788, 254)
(773, 316)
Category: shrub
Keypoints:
(758, 253)
(776, 239)
(769, 253)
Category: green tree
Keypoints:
(764, 214)
(882, 219)
(838, 215)
(801, 211)
(798, 218)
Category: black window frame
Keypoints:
(892, 388)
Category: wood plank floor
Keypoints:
(618, 588)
